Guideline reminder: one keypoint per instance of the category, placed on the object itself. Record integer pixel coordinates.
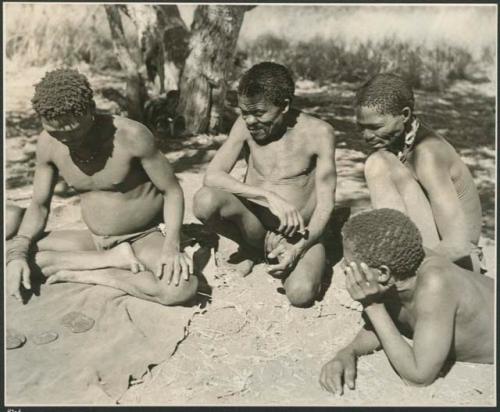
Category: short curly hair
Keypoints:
(387, 93)
(385, 237)
(62, 92)
(272, 80)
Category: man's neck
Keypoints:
(406, 288)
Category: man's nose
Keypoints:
(368, 135)
(250, 120)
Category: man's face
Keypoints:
(69, 129)
(348, 255)
(261, 117)
(379, 130)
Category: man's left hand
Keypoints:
(174, 265)
(362, 284)
(288, 255)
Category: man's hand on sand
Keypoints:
(341, 369)
(362, 284)
(18, 271)
(290, 218)
(174, 265)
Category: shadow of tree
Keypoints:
(22, 124)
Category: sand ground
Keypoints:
(248, 346)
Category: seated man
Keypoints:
(289, 184)
(446, 310)
(126, 187)
(417, 172)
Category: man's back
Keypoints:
(473, 295)
(433, 148)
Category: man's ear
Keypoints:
(286, 106)
(406, 113)
(384, 274)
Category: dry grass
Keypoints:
(326, 44)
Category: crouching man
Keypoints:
(416, 171)
(447, 311)
(286, 199)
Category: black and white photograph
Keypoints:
(249, 204)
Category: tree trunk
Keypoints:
(136, 92)
(214, 33)
(175, 42)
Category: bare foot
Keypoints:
(124, 258)
(64, 276)
(241, 262)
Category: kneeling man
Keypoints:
(447, 311)
(127, 189)
(417, 172)
(286, 199)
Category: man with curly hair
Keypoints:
(286, 199)
(416, 171)
(127, 189)
(409, 291)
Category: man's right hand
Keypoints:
(290, 218)
(341, 369)
(18, 271)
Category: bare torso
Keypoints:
(460, 176)
(117, 197)
(287, 166)
(474, 321)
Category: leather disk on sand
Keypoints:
(14, 339)
(44, 337)
(77, 322)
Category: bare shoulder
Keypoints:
(433, 147)
(435, 280)
(134, 136)
(320, 135)
(239, 131)
(44, 147)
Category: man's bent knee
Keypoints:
(302, 293)
(171, 295)
(383, 165)
(378, 163)
(206, 203)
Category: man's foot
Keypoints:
(123, 257)
(65, 276)
(242, 262)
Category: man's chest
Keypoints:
(101, 174)
(281, 159)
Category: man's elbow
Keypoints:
(211, 178)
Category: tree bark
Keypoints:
(214, 33)
(136, 92)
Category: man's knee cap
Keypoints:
(302, 293)
(377, 163)
(205, 203)
(175, 295)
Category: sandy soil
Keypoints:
(248, 345)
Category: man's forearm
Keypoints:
(364, 343)
(173, 215)
(224, 181)
(400, 354)
(317, 224)
(34, 221)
